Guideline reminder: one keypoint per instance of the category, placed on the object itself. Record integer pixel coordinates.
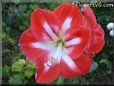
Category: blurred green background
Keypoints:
(15, 68)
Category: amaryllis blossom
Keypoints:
(62, 42)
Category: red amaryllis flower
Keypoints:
(61, 42)
(97, 33)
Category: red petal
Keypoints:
(89, 15)
(98, 43)
(99, 30)
(37, 55)
(83, 34)
(47, 76)
(68, 14)
(83, 64)
(97, 39)
(44, 21)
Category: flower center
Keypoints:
(60, 41)
(56, 54)
(60, 50)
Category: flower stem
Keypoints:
(60, 80)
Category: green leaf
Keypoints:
(107, 62)
(94, 66)
(23, 8)
(28, 73)
(16, 79)
(5, 70)
(17, 67)
(93, 1)
(0, 70)
(31, 65)
(16, 1)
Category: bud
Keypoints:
(112, 33)
(110, 26)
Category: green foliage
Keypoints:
(28, 73)
(107, 62)
(5, 70)
(0, 70)
(16, 67)
(16, 79)
(94, 66)
(60, 80)
(30, 70)
(20, 70)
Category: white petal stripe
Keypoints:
(73, 41)
(55, 57)
(66, 24)
(70, 63)
(48, 30)
(44, 46)
(58, 53)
